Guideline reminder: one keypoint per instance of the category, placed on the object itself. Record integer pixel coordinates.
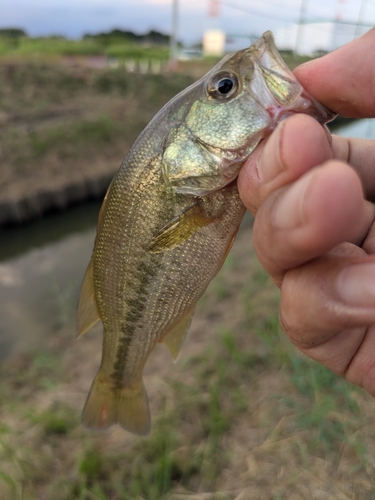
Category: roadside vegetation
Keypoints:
(64, 124)
(124, 44)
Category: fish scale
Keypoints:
(170, 217)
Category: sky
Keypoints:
(73, 18)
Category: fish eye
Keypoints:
(223, 86)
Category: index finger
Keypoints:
(343, 80)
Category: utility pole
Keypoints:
(173, 38)
(361, 16)
(301, 25)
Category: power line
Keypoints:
(301, 22)
(258, 13)
(272, 4)
(360, 18)
(255, 12)
(173, 39)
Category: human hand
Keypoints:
(314, 229)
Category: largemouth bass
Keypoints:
(169, 219)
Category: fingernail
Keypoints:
(290, 212)
(356, 285)
(270, 164)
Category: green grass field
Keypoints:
(26, 47)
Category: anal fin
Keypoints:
(87, 311)
(175, 338)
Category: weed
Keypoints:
(114, 81)
(33, 84)
(98, 132)
(313, 379)
(242, 357)
(9, 481)
(327, 407)
(53, 45)
(59, 420)
(91, 466)
(43, 362)
(128, 51)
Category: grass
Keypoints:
(39, 84)
(100, 131)
(66, 130)
(25, 47)
(59, 124)
(236, 416)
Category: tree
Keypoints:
(12, 33)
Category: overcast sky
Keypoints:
(73, 18)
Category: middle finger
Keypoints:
(310, 217)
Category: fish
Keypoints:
(170, 217)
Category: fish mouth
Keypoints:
(306, 105)
(316, 109)
(276, 87)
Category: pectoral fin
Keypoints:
(180, 228)
(176, 337)
(87, 310)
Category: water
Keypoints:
(41, 269)
(42, 266)
(361, 129)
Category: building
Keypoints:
(316, 37)
(213, 43)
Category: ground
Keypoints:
(241, 415)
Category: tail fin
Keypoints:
(126, 406)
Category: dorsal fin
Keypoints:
(87, 311)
